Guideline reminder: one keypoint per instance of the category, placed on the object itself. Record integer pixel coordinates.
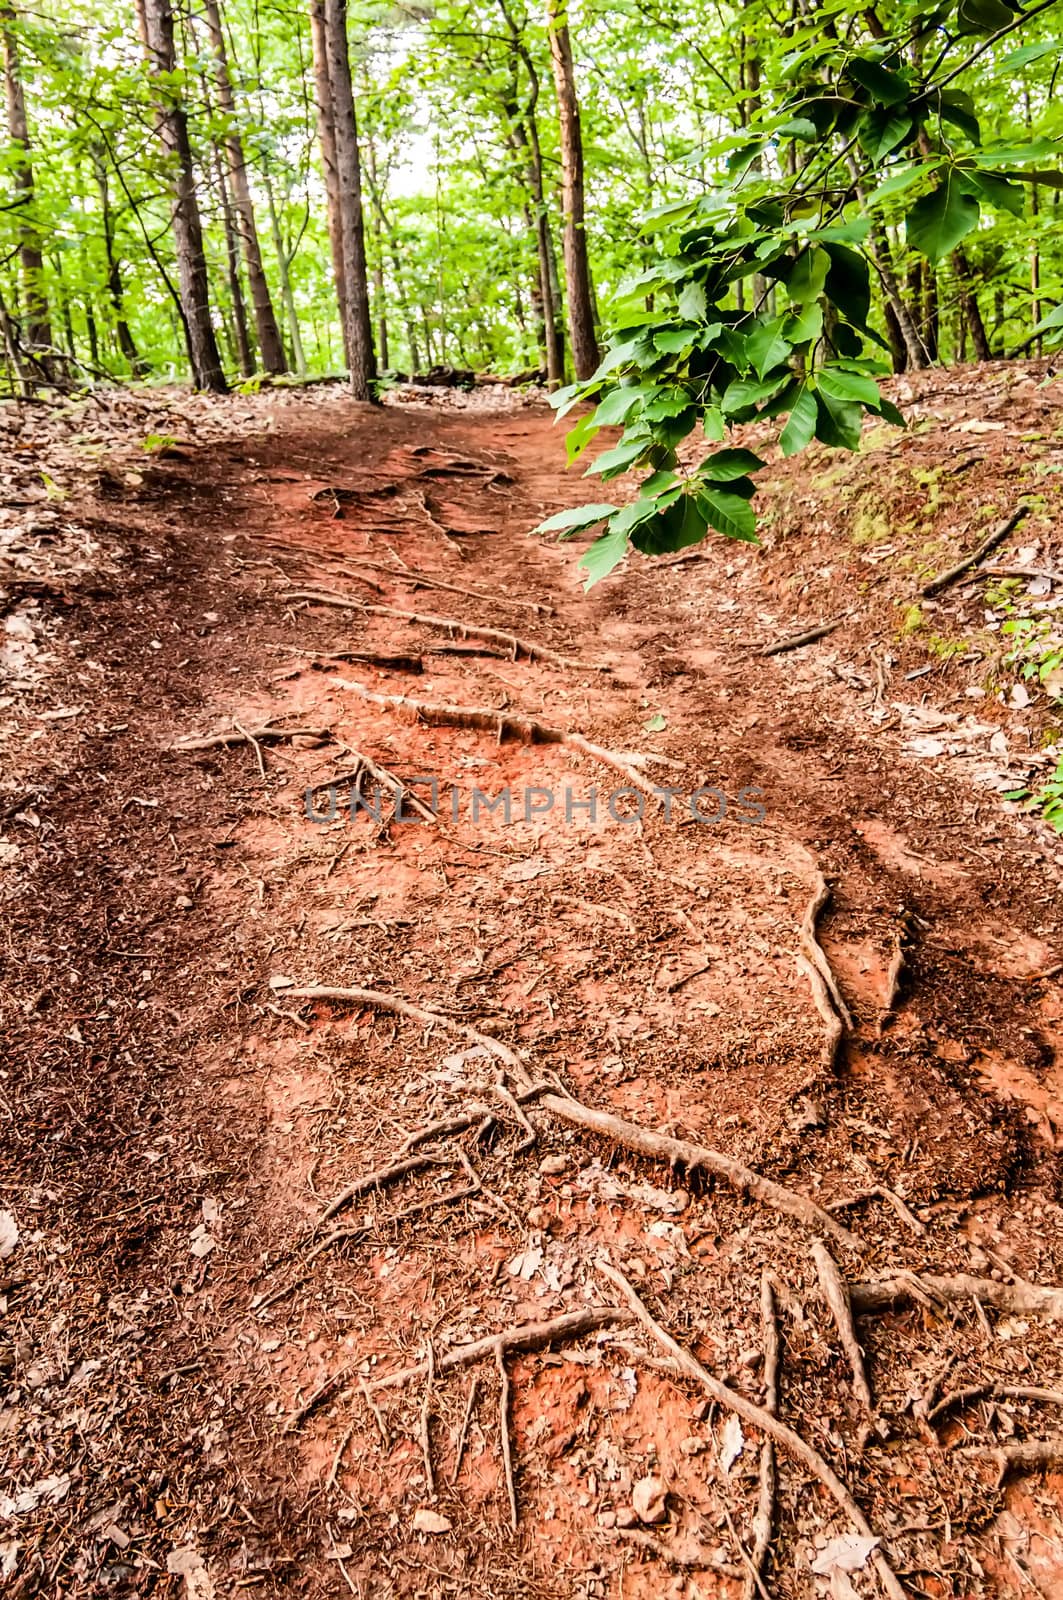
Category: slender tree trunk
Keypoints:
(969, 301)
(242, 343)
(126, 342)
(326, 134)
(931, 328)
(269, 338)
(1035, 271)
(352, 228)
(577, 266)
(38, 332)
(157, 33)
(284, 265)
(524, 140)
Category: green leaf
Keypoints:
(838, 422)
(800, 430)
(883, 132)
(603, 555)
(729, 514)
(983, 16)
(806, 326)
(899, 182)
(680, 525)
(842, 385)
(806, 278)
(996, 189)
(713, 424)
(795, 128)
(574, 521)
(579, 437)
(889, 413)
(728, 464)
(885, 87)
(936, 223)
(766, 347)
(1033, 52)
(957, 107)
(673, 341)
(692, 301)
(744, 393)
(1014, 155)
(848, 283)
(617, 460)
(619, 402)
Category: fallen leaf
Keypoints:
(648, 1500)
(848, 1553)
(187, 1563)
(732, 1443)
(8, 1235)
(425, 1521)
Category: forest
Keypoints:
(531, 800)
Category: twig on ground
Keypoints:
(795, 640)
(678, 1153)
(459, 1451)
(426, 1422)
(764, 1515)
(256, 745)
(837, 1297)
(330, 1481)
(760, 1418)
(880, 1192)
(515, 646)
(507, 1443)
(1050, 573)
(522, 1336)
(527, 729)
(375, 1410)
(886, 1294)
(990, 542)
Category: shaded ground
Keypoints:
(176, 1121)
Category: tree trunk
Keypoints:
(524, 140)
(38, 332)
(577, 267)
(126, 342)
(969, 301)
(269, 338)
(244, 355)
(326, 134)
(352, 228)
(171, 120)
(284, 267)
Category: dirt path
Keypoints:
(190, 1358)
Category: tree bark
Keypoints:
(287, 295)
(38, 331)
(244, 355)
(577, 266)
(326, 134)
(123, 335)
(157, 35)
(358, 320)
(266, 329)
(969, 302)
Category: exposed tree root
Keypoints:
(886, 1294)
(459, 1448)
(993, 1391)
(423, 580)
(527, 729)
(837, 1297)
(522, 1336)
(678, 1153)
(812, 963)
(507, 1442)
(764, 1516)
(990, 542)
(680, 1552)
(880, 1192)
(1032, 1455)
(366, 771)
(515, 647)
(270, 733)
(795, 641)
(758, 1417)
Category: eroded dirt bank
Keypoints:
(195, 1356)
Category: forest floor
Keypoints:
(204, 1299)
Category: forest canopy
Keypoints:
(228, 188)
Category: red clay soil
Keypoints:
(194, 1403)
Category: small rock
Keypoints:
(553, 1166)
(607, 1519)
(183, 903)
(626, 1518)
(648, 1499)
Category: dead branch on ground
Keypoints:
(270, 733)
(990, 542)
(764, 1516)
(1021, 1297)
(795, 641)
